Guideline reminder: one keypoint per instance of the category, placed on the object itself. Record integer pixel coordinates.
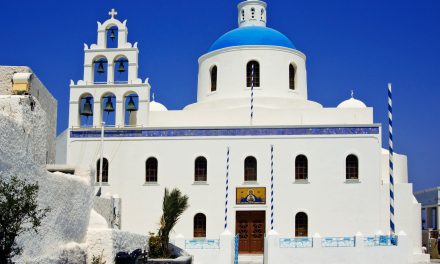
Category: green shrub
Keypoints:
(155, 246)
(98, 259)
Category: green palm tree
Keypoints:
(174, 204)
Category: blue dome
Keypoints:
(253, 35)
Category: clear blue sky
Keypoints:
(360, 45)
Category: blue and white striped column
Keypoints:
(271, 187)
(227, 189)
(391, 164)
(252, 92)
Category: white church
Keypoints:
(297, 181)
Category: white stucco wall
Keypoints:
(334, 207)
(359, 254)
(231, 73)
(326, 194)
(263, 116)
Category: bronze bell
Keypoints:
(131, 106)
(87, 109)
(109, 106)
(101, 67)
(112, 35)
(121, 67)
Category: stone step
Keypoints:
(250, 259)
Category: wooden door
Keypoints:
(250, 225)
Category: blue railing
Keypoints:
(236, 244)
(299, 242)
(380, 241)
(202, 244)
(338, 242)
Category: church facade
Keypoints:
(254, 155)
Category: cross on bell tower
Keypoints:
(112, 13)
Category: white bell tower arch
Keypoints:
(108, 63)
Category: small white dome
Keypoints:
(352, 103)
(155, 106)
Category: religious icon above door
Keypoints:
(253, 195)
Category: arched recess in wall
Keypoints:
(200, 169)
(253, 73)
(292, 76)
(85, 110)
(352, 167)
(301, 168)
(213, 74)
(108, 109)
(301, 224)
(199, 225)
(100, 69)
(112, 37)
(120, 65)
(250, 169)
(104, 170)
(151, 169)
(131, 106)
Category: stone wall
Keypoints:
(109, 208)
(40, 93)
(109, 242)
(23, 149)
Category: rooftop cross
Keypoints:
(112, 13)
(352, 94)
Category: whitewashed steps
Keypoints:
(250, 259)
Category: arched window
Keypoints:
(104, 170)
(200, 169)
(301, 168)
(242, 14)
(352, 167)
(253, 74)
(262, 14)
(112, 37)
(253, 12)
(214, 79)
(151, 170)
(250, 169)
(292, 73)
(199, 225)
(301, 224)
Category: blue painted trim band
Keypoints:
(226, 132)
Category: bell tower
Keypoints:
(110, 90)
(252, 13)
